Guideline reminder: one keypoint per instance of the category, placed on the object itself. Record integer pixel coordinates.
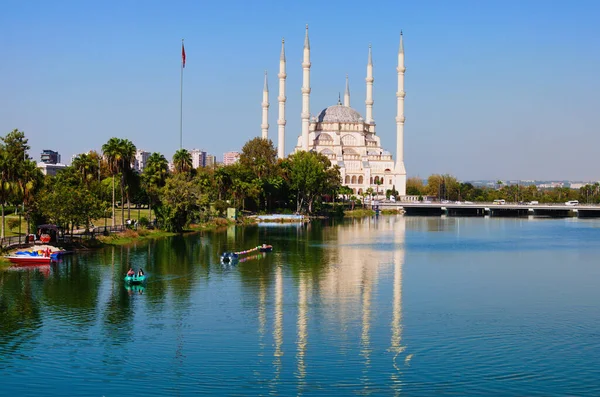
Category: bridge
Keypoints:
(496, 210)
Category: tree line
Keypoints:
(447, 187)
(98, 182)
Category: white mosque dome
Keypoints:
(339, 114)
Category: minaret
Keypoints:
(401, 182)
(347, 93)
(265, 110)
(281, 98)
(369, 80)
(305, 92)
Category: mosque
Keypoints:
(342, 134)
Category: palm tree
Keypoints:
(87, 165)
(6, 185)
(112, 153)
(127, 156)
(378, 182)
(182, 160)
(31, 180)
(154, 176)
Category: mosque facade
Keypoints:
(342, 134)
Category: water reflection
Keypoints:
(301, 340)
(320, 296)
(396, 340)
(278, 325)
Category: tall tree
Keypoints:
(182, 161)
(128, 154)
(13, 156)
(112, 153)
(119, 154)
(311, 174)
(154, 176)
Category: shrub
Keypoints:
(13, 223)
(144, 221)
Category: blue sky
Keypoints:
(495, 89)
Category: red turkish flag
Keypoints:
(182, 55)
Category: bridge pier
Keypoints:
(465, 211)
(425, 211)
(509, 212)
(588, 213)
(554, 213)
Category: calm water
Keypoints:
(381, 306)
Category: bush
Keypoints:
(13, 223)
(144, 222)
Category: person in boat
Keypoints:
(130, 272)
(140, 272)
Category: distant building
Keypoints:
(50, 157)
(211, 161)
(141, 158)
(231, 158)
(49, 168)
(198, 158)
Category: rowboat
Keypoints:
(229, 257)
(25, 260)
(135, 279)
(265, 248)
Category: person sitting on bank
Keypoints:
(140, 272)
(130, 272)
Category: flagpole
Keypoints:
(181, 101)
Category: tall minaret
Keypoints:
(369, 79)
(347, 93)
(281, 98)
(305, 92)
(265, 110)
(401, 182)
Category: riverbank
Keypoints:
(130, 236)
(359, 213)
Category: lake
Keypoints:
(387, 305)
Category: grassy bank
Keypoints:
(130, 236)
(358, 213)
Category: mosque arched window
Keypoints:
(348, 140)
(360, 179)
(371, 181)
(353, 178)
(347, 180)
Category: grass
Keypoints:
(358, 213)
(129, 236)
(135, 214)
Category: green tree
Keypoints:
(119, 154)
(67, 201)
(182, 161)
(154, 176)
(311, 174)
(113, 155)
(180, 201)
(88, 164)
(415, 187)
(13, 159)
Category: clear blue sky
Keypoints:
(495, 89)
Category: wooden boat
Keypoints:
(229, 257)
(26, 260)
(265, 248)
(135, 279)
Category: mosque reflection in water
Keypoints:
(334, 298)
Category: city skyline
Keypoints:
(495, 90)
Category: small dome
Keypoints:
(339, 114)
